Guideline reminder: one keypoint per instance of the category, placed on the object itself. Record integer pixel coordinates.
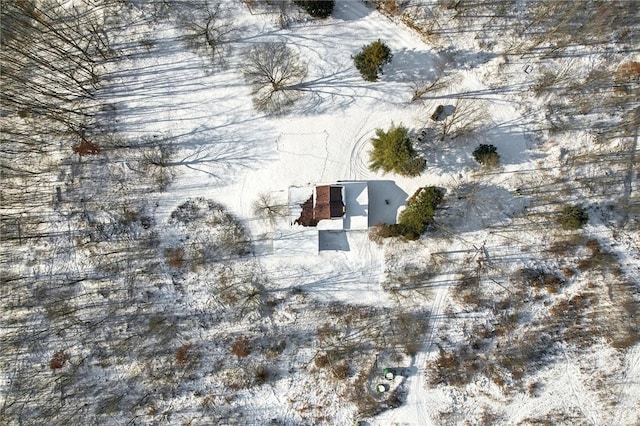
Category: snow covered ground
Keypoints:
(494, 223)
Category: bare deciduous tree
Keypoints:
(422, 87)
(465, 117)
(207, 30)
(274, 72)
(437, 81)
(266, 207)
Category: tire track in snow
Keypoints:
(357, 168)
(417, 398)
(421, 358)
(579, 393)
(631, 372)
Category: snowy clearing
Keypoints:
(153, 270)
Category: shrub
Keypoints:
(340, 370)
(86, 148)
(420, 210)
(58, 360)
(175, 257)
(414, 166)
(241, 347)
(371, 59)
(181, 354)
(321, 361)
(317, 8)
(572, 217)
(382, 230)
(393, 151)
(487, 155)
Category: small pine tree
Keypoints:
(572, 217)
(393, 151)
(371, 59)
(317, 8)
(420, 210)
(487, 155)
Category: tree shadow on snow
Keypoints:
(446, 156)
(509, 139)
(467, 59)
(349, 10)
(325, 283)
(336, 91)
(408, 66)
(455, 154)
(472, 206)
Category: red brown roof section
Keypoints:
(306, 215)
(328, 204)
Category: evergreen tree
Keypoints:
(487, 155)
(393, 151)
(317, 8)
(371, 59)
(572, 217)
(419, 213)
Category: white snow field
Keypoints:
(568, 297)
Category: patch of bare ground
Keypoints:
(555, 417)
(513, 329)
(605, 305)
(608, 307)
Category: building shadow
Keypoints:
(333, 240)
(385, 199)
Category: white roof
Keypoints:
(356, 201)
(305, 240)
(336, 224)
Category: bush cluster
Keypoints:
(58, 360)
(182, 356)
(241, 347)
(415, 218)
(487, 155)
(382, 230)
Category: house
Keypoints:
(333, 216)
(342, 206)
(326, 202)
(332, 209)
